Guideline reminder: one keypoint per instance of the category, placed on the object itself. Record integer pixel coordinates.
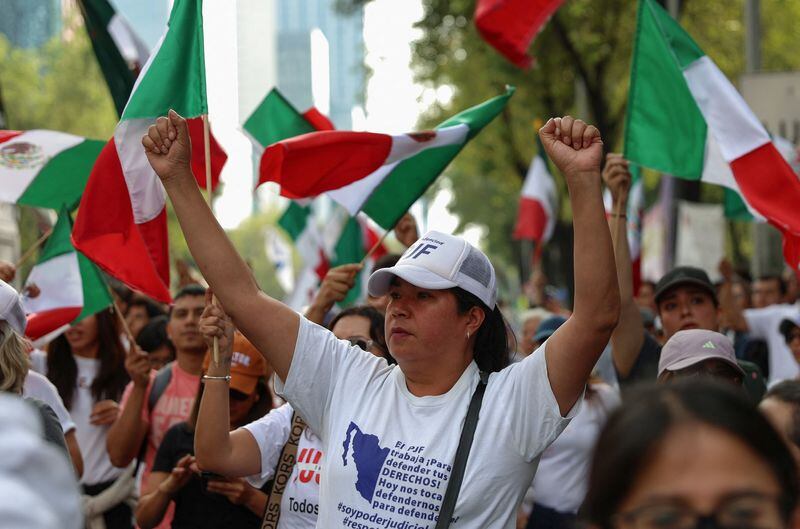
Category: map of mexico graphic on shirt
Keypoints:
(369, 457)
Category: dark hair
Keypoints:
(153, 309)
(775, 277)
(494, 340)
(626, 444)
(62, 370)
(120, 289)
(377, 332)
(788, 391)
(154, 335)
(190, 290)
(386, 261)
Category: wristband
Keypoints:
(226, 378)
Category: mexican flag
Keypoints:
(45, 168)
(536, 216)
(510, 26)
(70, 286)
(122, 222)
(685, 118)
(121, 55)
(382, 175)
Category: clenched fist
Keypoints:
(574, 146)
(168, 146)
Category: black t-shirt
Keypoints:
(196, 508)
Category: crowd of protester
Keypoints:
(666, 408)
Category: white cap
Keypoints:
(439, 261)
(11, 308)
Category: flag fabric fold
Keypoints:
(510, 26)
(69, 286)
(536, 217)
(685, 118)
(45, 168)
(380, 174)
(121, 224)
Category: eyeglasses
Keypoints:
(742, 511)
(361, 342)
(238, 396)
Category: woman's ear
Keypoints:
(475, 317)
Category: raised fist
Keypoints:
(168, 146)
(574, 146)
(617, 177)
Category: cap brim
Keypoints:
(684, 281)
(693, 360)
(380, 280)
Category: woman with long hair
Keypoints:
(86, 364)
(392, 432)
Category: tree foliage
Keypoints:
(586, 47)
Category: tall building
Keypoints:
(30, 23)
(297, 45)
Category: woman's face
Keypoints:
(240, 405)
(421, 323)
(529, 328)
(701, 470)
(356, 328)
(83, 334)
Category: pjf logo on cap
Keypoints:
(424, 247)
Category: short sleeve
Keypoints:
(165, 456)
(271, 433)
(39, 387)
(523, 392)
(320, 363)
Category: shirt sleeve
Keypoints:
(522, 391)
(47, 392)
(271, 433)
(320, 363)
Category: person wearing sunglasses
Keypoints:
(202, 499)
(255, 449)
(691, 454)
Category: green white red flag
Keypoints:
(382, 175)
(685, 118)
(69, 286)
(45, 168)
(122, 223)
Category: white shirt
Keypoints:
(97, 467)
(389, 453)
(39, 387)
(563, 476)
(765, 323)
(300, 501)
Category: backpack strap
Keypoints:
(283, 472)
(462, 454)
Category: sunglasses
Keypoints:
(361, 342)
(238, 395)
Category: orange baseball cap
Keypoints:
(247, 365)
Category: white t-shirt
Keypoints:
(389, 453)
(97, 467)
(39, 387)
(300, 501)
(562, 478)
(765, 323)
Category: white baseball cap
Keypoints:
(439, 261)
(11, 308)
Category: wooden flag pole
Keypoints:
(125, 328)
(30, 251)
(374, 247)
(207, 147)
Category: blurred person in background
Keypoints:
(781, 405)
(140, 311)
(86, 364)
(689, 454)
(154, 340)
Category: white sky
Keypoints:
(393, 101)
